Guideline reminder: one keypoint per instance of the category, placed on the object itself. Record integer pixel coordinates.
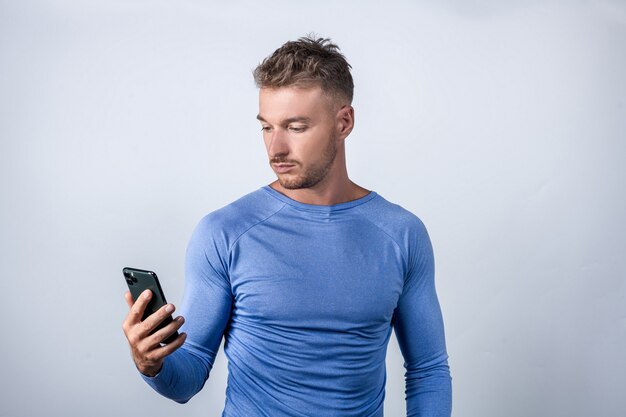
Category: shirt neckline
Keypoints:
(319, 208)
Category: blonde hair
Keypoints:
(305, 63)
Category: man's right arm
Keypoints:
(206, 309)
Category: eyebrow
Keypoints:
(290, 120)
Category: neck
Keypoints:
(325, 193)
(335, 188)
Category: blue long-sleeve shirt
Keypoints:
(306, 297)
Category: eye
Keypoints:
(265, 128)
(297, 129)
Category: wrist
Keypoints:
(150, 371)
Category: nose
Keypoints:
(277, 144)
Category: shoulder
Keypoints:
(404, 227)
(227, 223)
(401, 224)
(411, 236)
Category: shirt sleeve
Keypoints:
(418, 325)
(206, 307)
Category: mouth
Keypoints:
(280, 168)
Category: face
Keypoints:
(299, 131)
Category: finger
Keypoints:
(155, 355)
(136, 311)
(165, 350)
(152, 321)
(129, 299)
(160, 335)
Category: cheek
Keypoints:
(318, 151)
(312, 145)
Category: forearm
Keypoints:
(182, 376)
(429, 388)
(427, 377)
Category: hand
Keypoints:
(145, 347)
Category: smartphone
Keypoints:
(138, 281)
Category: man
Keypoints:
(305, 277)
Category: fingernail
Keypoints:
(147, 293)
(180, 319)
(169, 308)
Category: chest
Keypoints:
(335, 277)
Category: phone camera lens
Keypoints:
(129, 281)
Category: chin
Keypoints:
(299, 183)
(290, 185)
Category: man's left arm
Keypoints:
(418, 324)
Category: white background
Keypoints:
(501, 124)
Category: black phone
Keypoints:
(138, 281)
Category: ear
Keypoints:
(345, 120)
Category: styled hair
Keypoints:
(307, 62)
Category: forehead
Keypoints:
(276, 104)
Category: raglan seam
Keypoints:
(254, 225)
(405, 259)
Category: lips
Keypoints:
(283, 167)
